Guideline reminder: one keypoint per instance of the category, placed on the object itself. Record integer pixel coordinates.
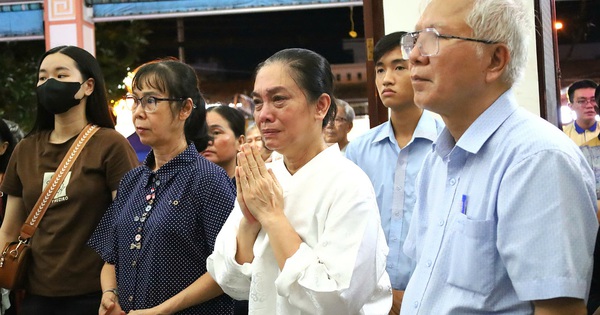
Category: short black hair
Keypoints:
(386, 44)
(582, 84)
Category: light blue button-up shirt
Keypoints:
(393, 172)
(524, 230)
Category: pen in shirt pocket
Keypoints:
(463, 209)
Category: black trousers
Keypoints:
(67, 305)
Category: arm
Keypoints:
(245, 239)
(13, 219)
(560, 306)
(200, 291)
(109, 304)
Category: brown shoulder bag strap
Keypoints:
(38, 211)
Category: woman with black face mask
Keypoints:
(63, 276)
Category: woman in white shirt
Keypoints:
(305, 236)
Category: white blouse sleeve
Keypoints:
(233, 278)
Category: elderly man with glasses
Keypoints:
(336, 131)
(581, 100)
(505, 217)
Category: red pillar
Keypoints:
(69, 22)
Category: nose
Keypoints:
(388, 78)
(415, 56)
(138, 111)
(265, 114)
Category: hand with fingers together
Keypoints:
(258, 192)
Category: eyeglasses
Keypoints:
(338, 120)
(583, 101)
(149, 103)
(427, 40)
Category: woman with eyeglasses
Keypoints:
(63, 274)
(305, 236)
(157, 234)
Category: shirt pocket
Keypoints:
(472, 254)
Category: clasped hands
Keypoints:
(258, 192)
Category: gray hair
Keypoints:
(348, 110)
(504, 21)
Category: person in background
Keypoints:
(226, 127)
(400, 144)
(7, 145)
(63, 275)
(160, 229)
(254, 138)
(17, 132)
(505, 217)
(305, 236)
(337, 129)
(581, 100)
(591, 151)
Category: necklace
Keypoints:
(150, 200)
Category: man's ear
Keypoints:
(498, 62)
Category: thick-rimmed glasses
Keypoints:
(427, 40)
(149, 103)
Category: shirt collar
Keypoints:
(481, 129)
(426, 129)
(171, 168)
(581, 130)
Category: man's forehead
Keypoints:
(445, 14)
(584, 92)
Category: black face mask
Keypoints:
(58, 97)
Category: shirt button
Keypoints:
(133, 263)
(130, 298)
(429, 263)
(397, 213)
(416, 304)
(441, 223)
(398, 188)
(452, 181)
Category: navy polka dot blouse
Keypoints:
(161, 228)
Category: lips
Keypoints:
(387, 92)
(417, 78)
(269, 132)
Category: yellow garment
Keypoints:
(580, 138)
